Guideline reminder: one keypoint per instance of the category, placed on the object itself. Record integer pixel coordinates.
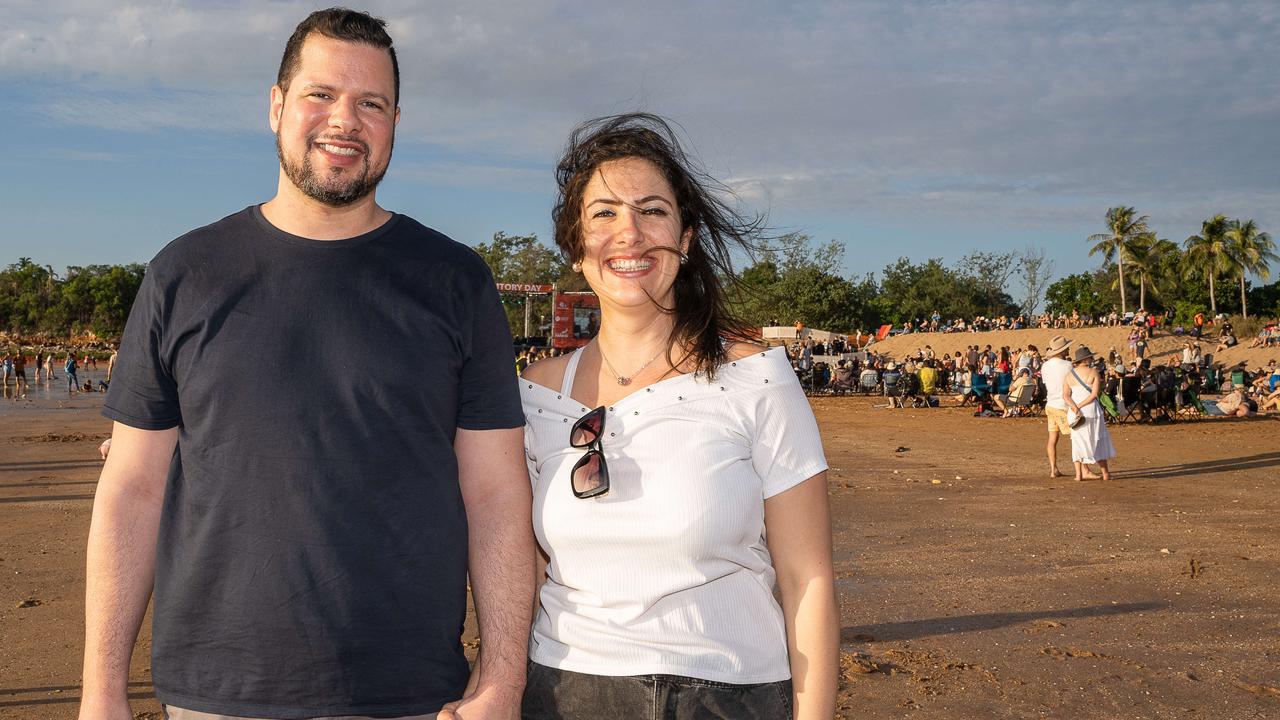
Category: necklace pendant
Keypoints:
(624, 381)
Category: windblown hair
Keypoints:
(701, 314)
(338, 23)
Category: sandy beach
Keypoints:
(971, 584)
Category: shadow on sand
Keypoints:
(143, 692)
(49, 465)
(931, 627)
(1205, 467)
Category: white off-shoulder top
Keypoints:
(669, 572)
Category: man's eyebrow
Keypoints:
(332, 89)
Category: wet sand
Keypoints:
(971, 584)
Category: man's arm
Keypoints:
(121, 563)
(498, 498)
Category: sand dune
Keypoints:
(1099, 339)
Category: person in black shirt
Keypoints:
(311, 526)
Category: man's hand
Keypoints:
(486, 704)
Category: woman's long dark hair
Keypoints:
(699, 310)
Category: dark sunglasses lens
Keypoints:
(589, 475)
(587, 429)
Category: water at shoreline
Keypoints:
(53, 396)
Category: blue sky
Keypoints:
(925, 129)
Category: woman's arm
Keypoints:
(1095, 386)
(1066, 393)
(798, 529)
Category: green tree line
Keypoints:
(1208, 272)
(795, 279)
(36, 301)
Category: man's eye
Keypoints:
(322, 96)
(372, 104)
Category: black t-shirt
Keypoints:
(312, 556)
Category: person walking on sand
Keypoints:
(1090, 439)
(70, 367)
(1053, 371)
(311, 541)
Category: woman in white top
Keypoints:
(678, 474)
(1090, 441)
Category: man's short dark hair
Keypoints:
(340, 24)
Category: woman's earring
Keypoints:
(577, 266)
(684, 259)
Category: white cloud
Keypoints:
(1025, 112)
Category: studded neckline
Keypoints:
(549, 398)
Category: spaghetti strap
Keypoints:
(570, 369)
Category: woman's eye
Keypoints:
(602, 213)
(654, 211)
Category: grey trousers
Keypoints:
(552, 694)
(176, 713)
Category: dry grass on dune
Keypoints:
(1099, 339)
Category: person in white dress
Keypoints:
(1090, 439)
(670, 513)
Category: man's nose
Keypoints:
(344, 117)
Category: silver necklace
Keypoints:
(622, 380)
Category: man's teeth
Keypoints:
(630, 265)
(339, 150)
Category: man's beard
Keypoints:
(304, 177)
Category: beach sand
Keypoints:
(971, 585)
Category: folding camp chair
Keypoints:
(869, 382)
(1211, 379)
(1003, 381)
(1022, 402)
(1109, 407)
(979, 390)
(844, 382)
(1130, 392)
(905, 392)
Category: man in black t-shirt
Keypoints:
(310, 526)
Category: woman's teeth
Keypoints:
(630, 265)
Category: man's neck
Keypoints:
(297, 214)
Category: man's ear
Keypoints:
(276, 108)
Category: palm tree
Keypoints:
(1209, 250)
(1145, 255)
(1253, 252)
(1124, 228)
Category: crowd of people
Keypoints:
(1152, 322)
(44, 364)
(1008, 381)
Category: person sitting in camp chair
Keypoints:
(1270, 402)
(977, 389)
(869, 380)
(844, 380)
(1021, 391)
(930, 378)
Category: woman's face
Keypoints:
(630, 228)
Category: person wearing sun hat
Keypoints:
(1053, 371)
(1090, 440)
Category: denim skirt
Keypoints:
(552, 694)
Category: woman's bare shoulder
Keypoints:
(547, 372)
(739, 350)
